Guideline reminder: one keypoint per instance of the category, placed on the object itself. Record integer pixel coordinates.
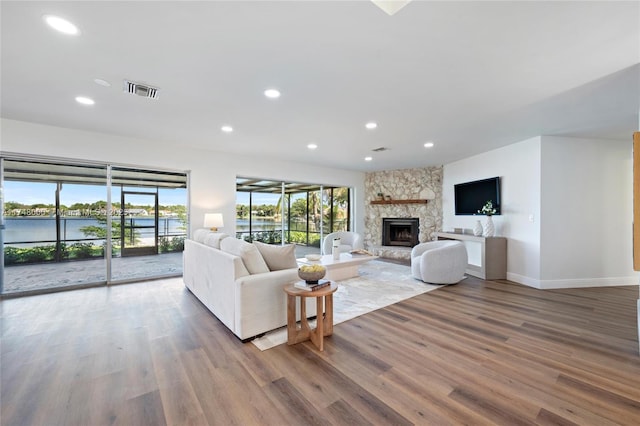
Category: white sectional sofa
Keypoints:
(239, 282)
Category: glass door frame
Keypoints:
(2, 226)
(165, 175)
(143, 250)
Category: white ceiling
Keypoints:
(469, 76)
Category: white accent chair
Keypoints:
(348, 241)
(439, 262)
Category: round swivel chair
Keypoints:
(439, 262)
(348, 241)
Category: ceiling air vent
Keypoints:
(141, 89)
(382, 148)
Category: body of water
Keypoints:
(41, 229)
(261, 224)
(242, 225)
(25, 229)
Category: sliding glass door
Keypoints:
(68, 225)
(149, 223)
(49, 213)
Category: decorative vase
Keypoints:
(477, 230)
(335, 249)
(489, 230)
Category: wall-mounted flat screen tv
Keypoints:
(471, 196)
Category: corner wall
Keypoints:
(212, 174)
(518, 165)
(587, 211)
(566, 209)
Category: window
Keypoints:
(299, 213)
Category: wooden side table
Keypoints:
(324, 322)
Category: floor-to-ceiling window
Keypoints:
(299, 213)
(337, 213)
(149, 222)
(66, 224)
(47, 209)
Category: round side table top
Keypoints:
(292, 290)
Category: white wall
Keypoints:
(587, 212)
(212, 174)
(578, 193)
(518, 165)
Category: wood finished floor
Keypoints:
(476, 353)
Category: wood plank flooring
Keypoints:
(480, 352)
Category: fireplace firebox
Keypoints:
(400, 231)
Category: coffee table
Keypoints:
(346, 267)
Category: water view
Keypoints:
(30, 230)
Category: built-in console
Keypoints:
(487, 255)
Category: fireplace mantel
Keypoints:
(399, 201)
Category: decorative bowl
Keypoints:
(312, 273)
(313, 257)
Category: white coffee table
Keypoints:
(346, 267)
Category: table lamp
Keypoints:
(213, 221)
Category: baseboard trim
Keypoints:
(524, 280)
(572, 283)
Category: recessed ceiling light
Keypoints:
(272, 93)
(226, 129)
(84, 100)
(371, 125)
(62, 25)
(428, 145)
(312, 146)
(101, 82)
(368, 158)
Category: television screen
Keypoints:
(471, 196)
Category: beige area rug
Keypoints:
(380, 284)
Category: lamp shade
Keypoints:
(213, 221)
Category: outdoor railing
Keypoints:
(32, 250)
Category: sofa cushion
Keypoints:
(200, 234)
(278, 257)
(213, 239)
(249, 254)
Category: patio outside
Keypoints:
(47, 276)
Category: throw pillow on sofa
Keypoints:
(213, 239)
(249, 254)
(278, 257)
(200, 234)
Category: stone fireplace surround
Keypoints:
(405, 184)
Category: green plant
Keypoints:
(165, 245)
(84, 251)
(268, 237)
(177, 244)
(168, 245)
(39, 254)
(300, 237)
(11, 255)
(64, 251)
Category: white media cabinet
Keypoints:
(487, 255)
